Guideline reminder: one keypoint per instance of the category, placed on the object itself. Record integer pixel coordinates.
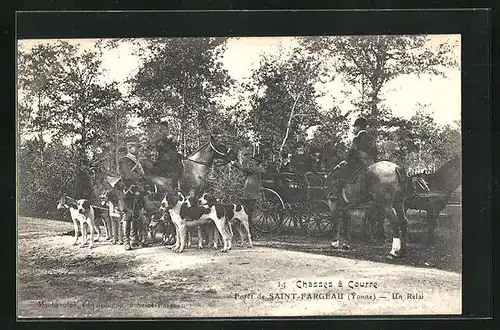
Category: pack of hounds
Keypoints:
(175, 217)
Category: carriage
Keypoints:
(292, 201)
(299, 201)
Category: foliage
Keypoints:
(177, 83)
(182, 89)
(368, 63)
(283, 102)
(41, 182)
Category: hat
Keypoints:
(361, 122)
(133, 140)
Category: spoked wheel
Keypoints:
(268, 212)
(319, 221)
(295, 215)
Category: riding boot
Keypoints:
(115, 228)
(126, 234)
(134, 239)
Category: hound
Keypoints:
(115, 216)
(236, 215)
(81, 213)
(217, 213)
(185, 215)
(160, 223)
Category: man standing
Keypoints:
(253, 169)
(363, 153)
(132, 176)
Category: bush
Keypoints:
(43, 178)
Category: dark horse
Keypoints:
(387, 186)
(193, 169)
(445, 180)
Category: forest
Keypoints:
(69, 113)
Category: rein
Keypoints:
(220, 153)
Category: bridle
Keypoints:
(217, 151)
(220, 153)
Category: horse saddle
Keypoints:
(113, 180)
(356, 174)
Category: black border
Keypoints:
(473, 25)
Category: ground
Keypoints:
(57, 279)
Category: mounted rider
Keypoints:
(363, 153)
(133, 177)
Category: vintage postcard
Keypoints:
(239, 177)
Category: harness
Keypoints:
(220, 153)
(136, 163)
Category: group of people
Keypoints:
(135, 170)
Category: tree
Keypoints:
(283, 101)
(368, 63)
(62, 94)
(87, 103)
(419, 143)
(177, 84)
(40, 73)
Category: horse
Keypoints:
(445, 180)
(193, 168)
(387, 185)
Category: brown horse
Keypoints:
(445, 180)
(386, 184)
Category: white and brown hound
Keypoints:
(109, 201)
(81, 213)
(185, 215)
(236, 215)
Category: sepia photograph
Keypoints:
(240, 177)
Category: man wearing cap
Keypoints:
(363, 153)
(132, 175)
(316, 160)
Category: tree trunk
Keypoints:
(288, 126)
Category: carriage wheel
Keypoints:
(268, 212)
(295, 215)
(319, 220)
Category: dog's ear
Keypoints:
(86, 204)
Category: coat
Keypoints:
(253, 170)
(363, 151)
(131, 171)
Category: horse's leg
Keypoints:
(379, 225)
(403, 223)
(432, 216)
(345, 226)
(339, 214)
(392, 216)
(368, 221)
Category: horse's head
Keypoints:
(222, 151)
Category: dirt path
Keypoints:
(57, 279)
